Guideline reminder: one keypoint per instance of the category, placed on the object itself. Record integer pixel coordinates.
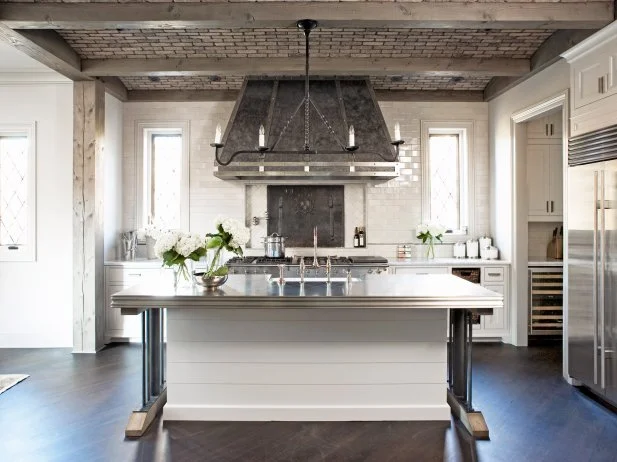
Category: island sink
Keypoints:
(308, 280)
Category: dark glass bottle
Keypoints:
(356, 238)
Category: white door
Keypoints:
(556, 179)
(587, 74)
(496, 321)
(537, 180)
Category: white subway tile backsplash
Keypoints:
(390, 210)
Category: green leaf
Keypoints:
(215, 242)
(221, 271)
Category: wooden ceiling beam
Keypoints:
(48, 48)
(449, 14)
(232, 95)
(127, 67)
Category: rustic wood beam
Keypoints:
(48, 48)
(166, 15)
(88, 288)
(429, 95)
(548, 53)
(115, 87)
(182, 95)
(295, 66)
(232, 95)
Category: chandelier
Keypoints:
(264, 147)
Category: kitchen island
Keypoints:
(258, 349)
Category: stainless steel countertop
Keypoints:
(544, 261)
(372, 292)
(445, 262)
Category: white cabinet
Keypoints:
(117, 278)
(594, 75)
(593, 81)
(421, 270)
(545, 129)
(493, 277)
(545, 182)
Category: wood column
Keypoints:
(88, 151)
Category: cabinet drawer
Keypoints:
(129, 275)
(493, 274)
(422, 270)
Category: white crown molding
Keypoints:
(21, 77)
(591, 43)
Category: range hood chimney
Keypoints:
(295, 128)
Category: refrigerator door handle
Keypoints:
(594, 310)
(602, 284)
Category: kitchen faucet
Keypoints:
(315, 260)
(302, 269)
(328, 269)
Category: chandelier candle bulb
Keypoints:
(262, 136)
(352, 136)
(217, 134)
(397, 131)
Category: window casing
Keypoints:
(17, 192)
(448, 186)
(163, 176)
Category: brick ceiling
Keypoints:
(355, 43)
(331, 43)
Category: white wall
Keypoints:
(36, 297)
(542, 86)
(112, 177)
(390, 211)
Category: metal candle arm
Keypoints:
(217, 147)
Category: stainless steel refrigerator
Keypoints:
(592, 261)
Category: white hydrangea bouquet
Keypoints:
(429, 233)
(176, 247)
(231, 235)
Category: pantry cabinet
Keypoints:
(545, 182)
(545, 129)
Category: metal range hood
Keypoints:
(307, 141)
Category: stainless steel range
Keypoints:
(358, 265)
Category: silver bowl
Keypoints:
(209, 282)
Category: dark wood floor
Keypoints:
(75, 407)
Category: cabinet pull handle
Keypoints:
(552, 206)
(493, 274)
(551, 129)
(546, 129)
(134, 274)
(546, 206)
(600, 84)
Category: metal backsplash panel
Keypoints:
(293, 211)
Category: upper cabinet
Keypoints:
(595, 75)
(545, 128)
(593, 81)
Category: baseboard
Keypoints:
(306, 413)
(34, 340)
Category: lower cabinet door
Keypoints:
(497, 320)
(118, 326)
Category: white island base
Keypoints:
(306, 364)
(260, 349)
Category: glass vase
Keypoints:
(429, 249)
(182, 276)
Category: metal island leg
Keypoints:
(460, 336)
(153, 379)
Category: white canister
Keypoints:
(493, 253)
(459, 250)
(484, 242)
(473, 249)
(484, 252)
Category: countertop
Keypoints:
(445, 262)
(371, 292)
(141, 263)
(544, 261)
